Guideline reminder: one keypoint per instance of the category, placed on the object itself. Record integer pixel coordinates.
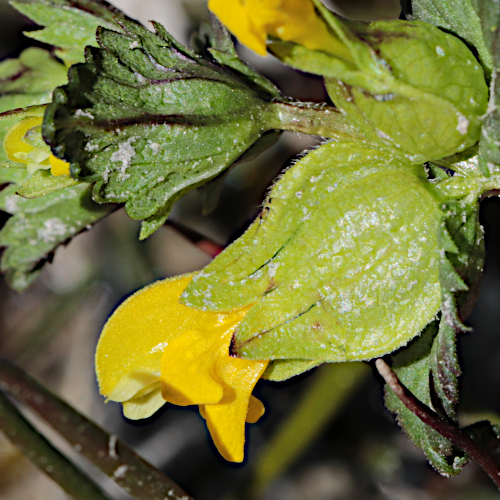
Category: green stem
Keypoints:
(108, 453)
(27, 439)
(313, 119)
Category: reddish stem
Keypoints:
(485, 458)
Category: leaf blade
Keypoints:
(152, 121)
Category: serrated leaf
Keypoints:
(461, 18)
(68, 25)
(213, 41)
(146, 120)
(413, 366)
(449, 278)
(38, 226)
(445, 368)
(342, 264)
(463, 225)
(489, 143)
(430, 369)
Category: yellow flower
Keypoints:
(251, 21)
(154, 349)
(23, 144)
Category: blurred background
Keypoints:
(51, 330)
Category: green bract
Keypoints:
(69, 25)
(38, 226)
(147, 119)
(413, 89)
(343, 263)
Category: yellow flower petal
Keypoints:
(226, 419)
(18, 148)
(131, 344)
(189, 365)
(144, 406)
(154, 349)
(58, 167)
(251, 21)
(14, 139)
(255, 410)
(234, 15)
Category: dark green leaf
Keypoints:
(489, 15)
(70, 25)
(414, 366)
(463, 225)
(489, 143)
(445, 368)
(147, 119)
(429, 366)
(213, 41)
(38, 226)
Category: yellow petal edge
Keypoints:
(154, 349)
(251, 21)
(18, 148)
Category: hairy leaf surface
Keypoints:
(429, 366)
(413, 366)
(342, 264)
(146, 120)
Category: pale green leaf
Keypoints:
(43, 182)
(430, 363)
(459, 17)
(283, 369)
(342, 264)
(411, 88)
